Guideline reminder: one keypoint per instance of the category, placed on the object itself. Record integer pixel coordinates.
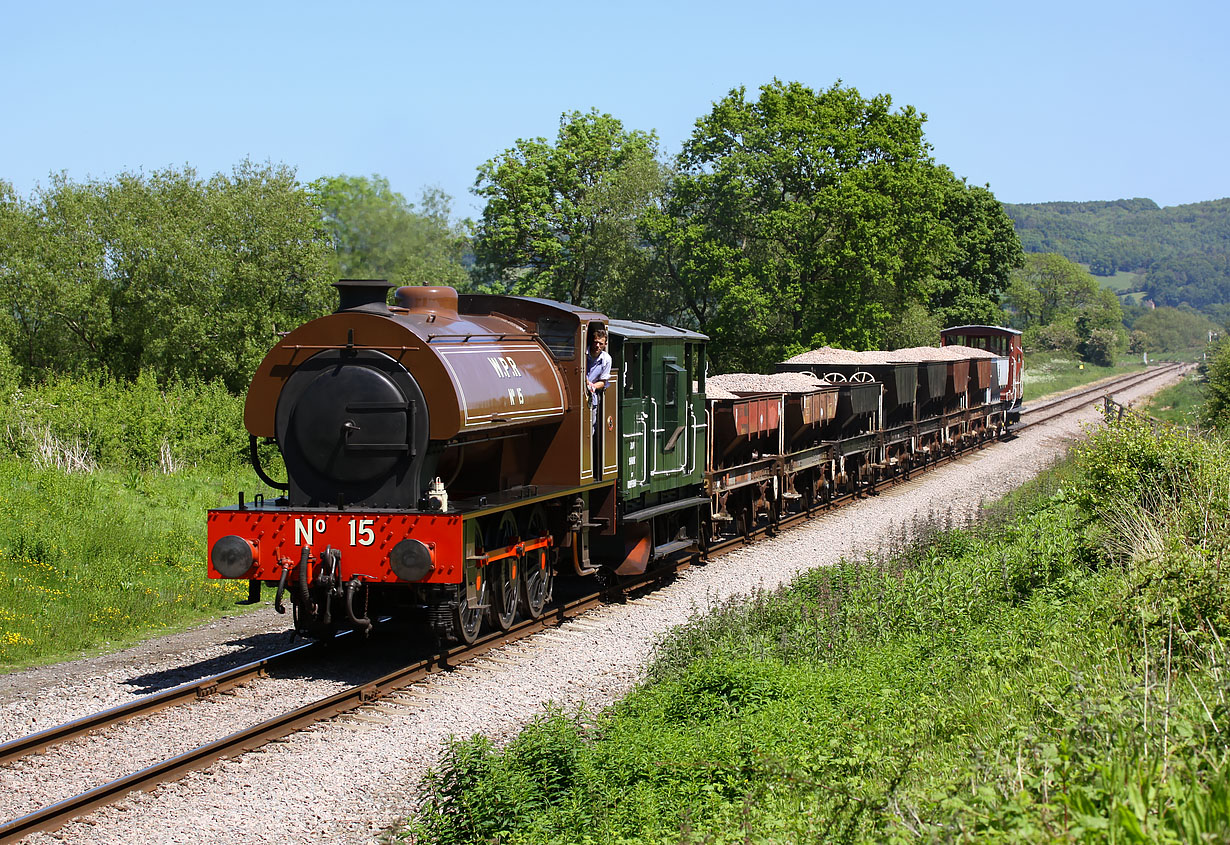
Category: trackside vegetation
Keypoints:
(1046, 373)
(103, 484)
(1056, 674)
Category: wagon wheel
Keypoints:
(537, 580)
(705, 537)
(744, 524)
(467, 617)
(502, 574)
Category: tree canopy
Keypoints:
(377, 234)
(791, 217)
(1062, 307)
(1215, 372)
(560, 219)
(1174, 329)
(185, 276)
(1182, 253)
(803, 217)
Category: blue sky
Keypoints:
(1042, 100)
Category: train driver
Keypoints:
(597, 372)
(597, 366)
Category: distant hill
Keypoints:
(1182, 252)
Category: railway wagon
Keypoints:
(1005, 345)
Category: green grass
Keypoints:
(1056, 676)
(1121, 281)
(1179, 403)
(1054, 373)
(104, 487)
(97, 561)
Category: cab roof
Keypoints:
(644, 330)
(987, 330)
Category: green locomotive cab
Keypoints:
(662, 440)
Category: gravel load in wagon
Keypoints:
(808, 403)
(900, 380)
(736, 383)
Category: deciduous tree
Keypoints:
(166, 272)
(561, 217)
(377, 234)
(971, 280)
(798, 218)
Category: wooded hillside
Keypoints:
(1182, 252)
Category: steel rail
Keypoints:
(1080, 398)
(54, 816)
(190, 691)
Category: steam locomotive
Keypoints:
(442, 457)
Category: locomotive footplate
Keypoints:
(516, 497)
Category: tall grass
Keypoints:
(103, 491)
(100, 560)
(1049, 676)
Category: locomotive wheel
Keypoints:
(503, 574)
(468, 618)
(536, 581)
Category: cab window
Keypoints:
(673, 374)
(559, 336)
(632, 369)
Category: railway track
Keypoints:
(1041, 412)
(53, 816)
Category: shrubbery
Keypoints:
(1216, 373)
(79, 424)
(1052, 676)
(104, 486)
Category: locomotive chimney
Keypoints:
(363, 295)
(427, 299)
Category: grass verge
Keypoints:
(1180, 403)
(1050, 373)
(1057, 675)
(104, 559)
(103, 491)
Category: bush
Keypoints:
(1216, 374)
(1024, 685)
(1156, 500)
(79, 424)
(1100, 347)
